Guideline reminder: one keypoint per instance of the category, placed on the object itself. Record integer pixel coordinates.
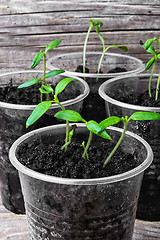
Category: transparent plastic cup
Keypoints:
(13, 124)
(148, 205)
(95, 209)
(113, 65)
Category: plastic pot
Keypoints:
(13, 118)
(113, 65)
(112, 62)
(102, 208)
(148, 205)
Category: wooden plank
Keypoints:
(17, 53)
(26, 27)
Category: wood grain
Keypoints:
(28, 26)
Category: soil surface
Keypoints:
(126, 95)
(30, 95)
(51, 160)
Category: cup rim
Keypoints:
(100, 75)
(116, 178)
(103, 94)
(54, 105)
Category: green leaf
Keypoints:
(37, 59)
(97, 29)
(40, 109)
(62, 84)
(97, 23)
(104, 134)
(53, 73)
(145, 116)
(69, 115)
(124, 48)
(46, 89)
(148, 43)
(149, 63)
(109, 122)
(151, 50)
(52, 45)
(91, 23)
(29, 83)
(94, 127)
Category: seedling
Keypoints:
(98, 24)
(93, 23)
(100, 128)
(105, 49)
(44, 106)
(44, 89)
(153, 61)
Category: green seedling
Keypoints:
(98, 24)
(44, 106)
(152, 62)
(44, 89)
(93, 23)
(105, 49)
(100, 128)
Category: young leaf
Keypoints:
(151, 50)
(109, 121)
(124, 48)
(97, 29)
(37, 59)
(29, 83)
(158, 55)
(104, 134)
(148, 43)
(46, 89)
(52, 45)
(62, 84)
(40, 109)
(144, 116)
(94, 127)
(53, 73)
(149, 63)
(69, 115)
(96, 23)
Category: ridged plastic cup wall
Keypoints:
(148, 205)
(84, 209)
(13, 124)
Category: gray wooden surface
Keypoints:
(28, 26)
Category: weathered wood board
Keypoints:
(27, 27)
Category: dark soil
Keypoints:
(126, 95)
(94, 105)
(51, 160)
(30, 95)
